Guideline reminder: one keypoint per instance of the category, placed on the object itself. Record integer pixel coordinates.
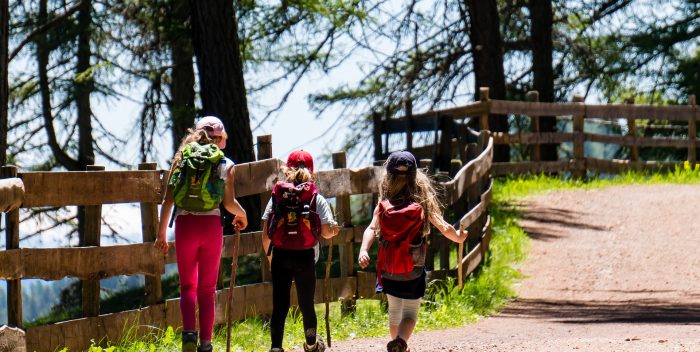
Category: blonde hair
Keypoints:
(416, 187)
(297, 175)
(199, 136)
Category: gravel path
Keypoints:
(616, 269)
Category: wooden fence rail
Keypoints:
(91, 262)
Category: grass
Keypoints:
(445, 305)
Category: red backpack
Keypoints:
(399, 249)
(294, 222)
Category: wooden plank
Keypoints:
(366, 288)
(14, 287)
(479, 209)
(90, 230)
(149, 229)
(472, 260)
(258, 176)
(501, 169)
(11, 194)
(468, 175)
(84, 262)
(264, 152)
(535, 153)
(646, 112)
(503, 107)
(616, 166)
(579, 139)
(12, 339)
(344, 217)
(634, 141)
(692, 132)
(90, 187)
(532, 138)
(459, 112)
(632, 133)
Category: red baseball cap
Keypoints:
(301, 158)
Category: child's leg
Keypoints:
(403, 316)
(305, 279)
(395, 308)
(409, 318)
(186, 246)
(281, 269)
(209, 257)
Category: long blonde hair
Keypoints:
(297, 175)
(416, 187)
(199, 136)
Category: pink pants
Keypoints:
(198, 243)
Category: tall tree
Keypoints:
(487, 53)
(541, 17)
(182, 108)
(4, 89)
(222, 87)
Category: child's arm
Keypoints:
(166, 211)
(329, 227)
(231, 204)
(448, 230)
(266, 241)
(368, 240)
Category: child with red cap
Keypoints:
(294, 219)
(198, 221)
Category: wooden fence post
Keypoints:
(264, 152)
(149, 231)
(14, 287)
(473, 199)
(692, 133)
(533, 96)
(91, 237)
(377, 135)
(579, 170)
(344, 217)
(409, 125)
(632, 133)
(484, 117)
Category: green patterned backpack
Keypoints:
(196, 184)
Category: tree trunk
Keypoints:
(223, 93)
(541, 17)
(4, 40)
(182, 109)
(42, 57)
(487, 51)
(84, 87)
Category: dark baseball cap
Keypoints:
(398, 159)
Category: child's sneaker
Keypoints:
(205, 347)
(189, 341)
(319, 346)
(397, 345)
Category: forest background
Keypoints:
(118, 82)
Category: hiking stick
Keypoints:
(460, 250)
(328, 290)
(229, 303)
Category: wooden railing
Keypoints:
(453, 126)
(468, 195)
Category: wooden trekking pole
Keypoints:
(232, 284)
(328, 290)
(460, 250)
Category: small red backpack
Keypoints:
(400, 227)
(294, 224)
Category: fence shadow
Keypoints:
(598, 312)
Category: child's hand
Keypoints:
(162, 244)
(363, 259)
(240, 222)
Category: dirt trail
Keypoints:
(616, 269)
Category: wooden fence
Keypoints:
(468, 194)
(454, 135)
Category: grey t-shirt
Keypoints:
(322, 207)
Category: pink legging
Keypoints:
(198, 243)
